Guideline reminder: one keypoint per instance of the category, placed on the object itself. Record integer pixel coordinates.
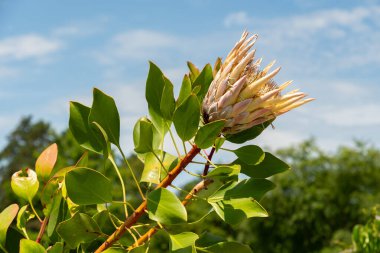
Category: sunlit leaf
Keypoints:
(56, 248)
(145, 136)
(23, 216)
(203, 80)
(6, 218)
(185, 90)
(46, 161)
(153, 171)
(80, 128)
(223, 172)
(207, 134)
(183, 242)
(164, 207)
(167, 104)
(105, 113)
(29, 246)
(186, 118)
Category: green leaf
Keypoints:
(146, 138)
(80, 128)
(164, 207)
(158, 91)
(247, 188)
(219, 143)
(186, 118)
(270, 166)
(250, 154)
(194, 71)
(234, 211)
(153, 171)
(54, 214)
(102, 136)
(6, 218)
(161, 125)
(207, 134)
(203, 81)
(23, 217)
(105, 113)
(86, 187)
(183, 242)
(56, 248)
(105, 221)
(236, 201)
(80, 228)
(223, 172)
(29, 246)
(226, 247)
(167, 104)
(49, 191)
(248, 134)
(46, 161)
(185, 90)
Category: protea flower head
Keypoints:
(244, 95)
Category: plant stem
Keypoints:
(173, 140)
(134, 217)
(145, 237)
(133, 174)
(207, 166)
(3, 249)
(34, 211)
(42, 229)
(122, 184)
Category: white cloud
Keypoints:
(27, 46)
(237, 19)
(137, 45)
(352, 116)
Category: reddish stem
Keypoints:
(141, 209)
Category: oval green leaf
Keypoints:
(78, 229)
(207, 134)
(186, 118)
(46, 161)
(164, 207)
(29, 246)
(105, 113)
(270, 166)
(183, 242)
(86, 187)
(250, 154)
(6, 218)
(80, 128)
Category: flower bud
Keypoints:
(25, 186)
(245, 96)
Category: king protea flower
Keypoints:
(245, 96)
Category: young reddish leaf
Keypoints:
(46, 161)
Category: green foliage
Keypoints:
(82, 204)
(207, 134)
(86, 187)
(366, 238)
(186, 117)
(165, 207)
(6, 218)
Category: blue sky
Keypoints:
(52, 52)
